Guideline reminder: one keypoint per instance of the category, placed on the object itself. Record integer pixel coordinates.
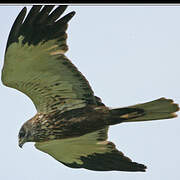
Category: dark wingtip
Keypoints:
(143, 168)
(72, 13)
(22, 13)
(13, 35)
(66, 18)
(24, 10)
(138, 167)
(64, 7)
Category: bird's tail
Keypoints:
(158, 109)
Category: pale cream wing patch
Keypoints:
(90, 151)
(71, 149)
(45, 74)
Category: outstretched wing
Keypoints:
(35, 63)
(90, 151)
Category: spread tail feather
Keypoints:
(158, 109)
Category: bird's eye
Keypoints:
(21, 134)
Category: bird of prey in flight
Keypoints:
(71, 123)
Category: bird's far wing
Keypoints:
(35, 63)
(90, 151)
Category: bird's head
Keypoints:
(25, 134)
(32, 131)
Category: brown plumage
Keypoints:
(71, 123)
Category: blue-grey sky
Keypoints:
(130, 55)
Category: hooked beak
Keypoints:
(21, 142)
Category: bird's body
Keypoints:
(71, 123)
(68, 124)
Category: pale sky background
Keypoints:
(130, 55)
